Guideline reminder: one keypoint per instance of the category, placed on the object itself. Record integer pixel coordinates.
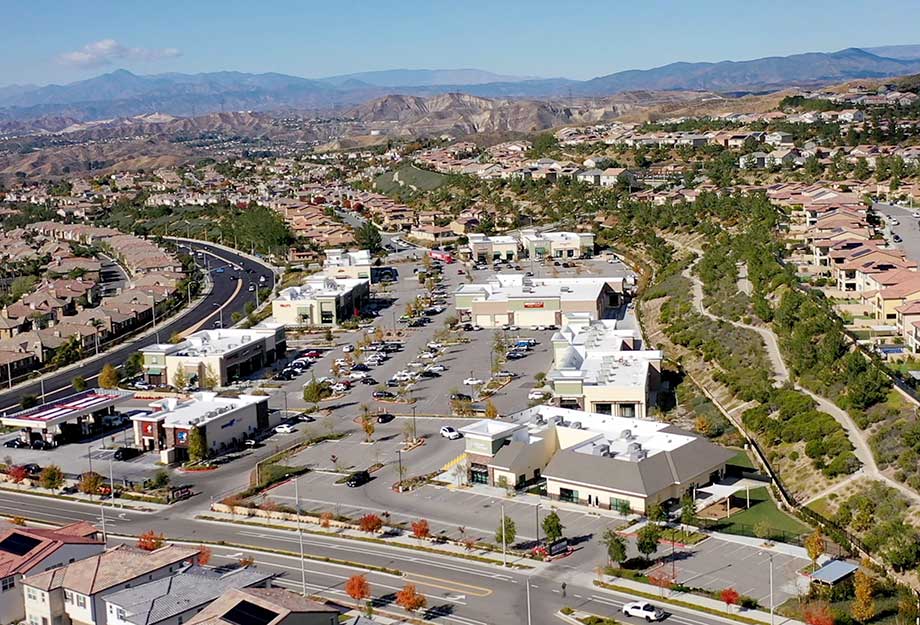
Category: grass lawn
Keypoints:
(821, 506)
(678, 535)
(762, 510)
(410, 175)
(742, 459)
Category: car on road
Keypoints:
(896, 238)
(450, 433)
(284, 428)
(358, 478)
(472, 382)
(643, 609)
(536, 394)
(16, 443)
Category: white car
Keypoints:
(643, 609)
(472, 381)
(415, 365)
(450, 433)
(436, 368)
(338, 388)
(348, 349)
(916, 215)
(536, 395)
(895, 222)
(428, 356)
(285, 428)
(433, 345)
(357, 375)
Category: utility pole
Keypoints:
(111, 481)
(42, 382)
(303, 570)
(504, 540)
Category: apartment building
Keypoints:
(221, 354)
(76, 592)
(26, 551)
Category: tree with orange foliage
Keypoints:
(662, 581)
(420, 529)
(410, 600)
(358, 588)
(370, 523)
(818, 613)
(730, 596)
(150, 541)
(17, 474)
(17, 520)
(204, 555)
(325, 519)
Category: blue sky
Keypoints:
(61, 41)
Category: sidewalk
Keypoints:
(390, 538)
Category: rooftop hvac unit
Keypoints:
(557, 419)
(565, 289)
(601, 450)
(626, 435)
(575, 425)
(633, 448)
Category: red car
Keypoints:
(313, 354)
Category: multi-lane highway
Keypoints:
(459, 592)
(227, 296)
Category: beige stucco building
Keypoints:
(557, 244)
(598, 460)
(519, 300)
(483, 249)
(224, 354)
(321, 301)
(601, 367)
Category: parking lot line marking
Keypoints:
(476, 591)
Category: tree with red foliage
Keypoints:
(662, 581)
(204, 555)
(730, 596)
(818, 613)
(358, 588)
(410, 600)
(370, 523)
(150, 541)
(420, 529)
(17, 474)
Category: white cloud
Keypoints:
(107, 51)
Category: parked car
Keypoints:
(436, 368)
(428, 373)
(383, 395)
(32, 468)
(385, 417)
(358, 478)
(472, 382)
(536, 394)
(506, 374)
(515, 355)
(126, 453)
(16, 443)
(369, 381)
(41, 444)
(450, 433)
(460, 397)
(284, 428)
(360, 367)
(348, 349)
(643, 609)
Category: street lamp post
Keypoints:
(770, 556)
(399, 459)
(303, 570)
(414, 430)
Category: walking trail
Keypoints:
(781, 375)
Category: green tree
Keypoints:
(688, 511)
(647, 539)
(108, 378)
(507, 532)
(655, 513)
(209, 380)
(28, 401)
(134, 365)
(314, 391)
(367, 236)
(180, 380)
(197, 444)
(78, 383)
(616, 546)
(552, 527)
(51, 477)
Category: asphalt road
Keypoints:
(459, 592)
(223, 301)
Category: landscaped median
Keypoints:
(382, 535)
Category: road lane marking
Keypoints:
(194, 328)
(447, 584)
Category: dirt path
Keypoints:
(857, 437)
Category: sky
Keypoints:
(61, 41)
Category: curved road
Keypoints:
(226, 298)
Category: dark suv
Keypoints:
(358, 478)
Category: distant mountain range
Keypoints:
(123, 94)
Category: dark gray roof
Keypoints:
(193, 587)
(643, 477)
